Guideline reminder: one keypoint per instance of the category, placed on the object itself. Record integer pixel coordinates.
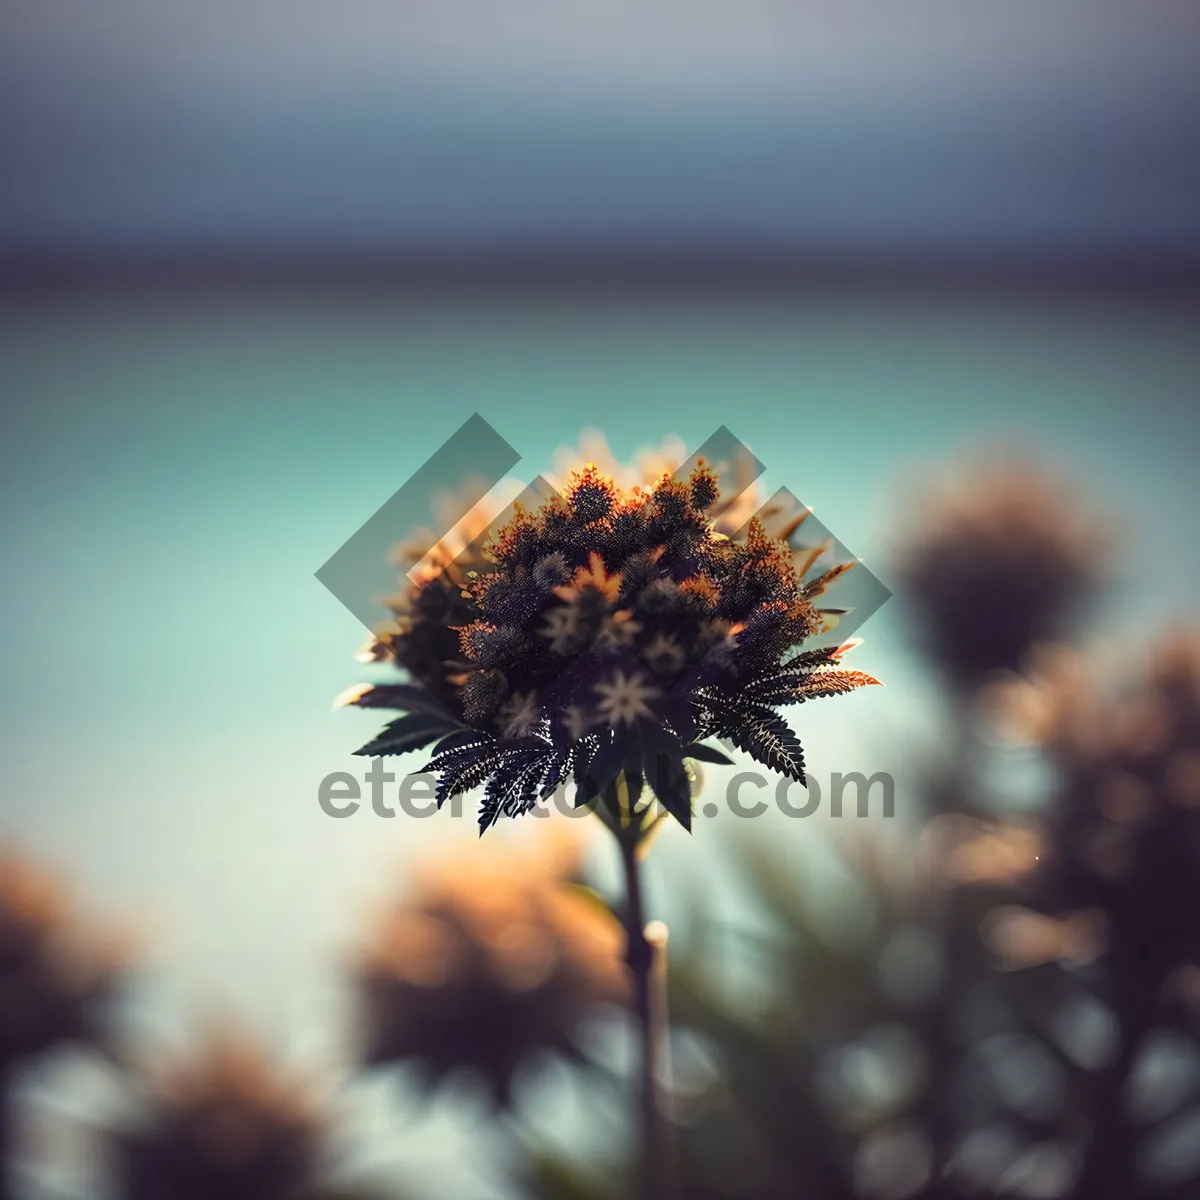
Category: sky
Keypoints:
(673, 45)
(308, 127)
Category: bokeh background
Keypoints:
(258, 261)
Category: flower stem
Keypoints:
(1109, 1168)
(8, 1154)
(647, 964)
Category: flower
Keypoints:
(618, 629)
(576, 721)
(1122, 831)
(492, 964)
(592, 578)
(625, 699)
(520, 715)
(223, 1125)
(563, 626)
(534, 667)
(56, 976)
(663, 654)
(1003, 558)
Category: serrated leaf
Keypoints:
(768, 738)
(513, 786)
(553, 777)
(467, 773)
(405, 734)
(795, 689)
(833, 683)
(457, 743)
(403, 697)
(708, 754)
(594, 774)
(807, 660)
(662, 764)
(671, 784)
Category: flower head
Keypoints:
(1005, 559)
(1123, 830)
(520, 715)
(625, 699)
(54, 982)
(591, 579)
(663, 654)
(223, 1125)
(492, 963)
(608, 631)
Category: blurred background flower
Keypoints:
(226, 1123)
(59, 972)
(494, 961)
(1001, 558)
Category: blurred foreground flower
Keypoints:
(494, 961)
(1001, 561)
(56, 973)
(57, 976)
(224, 1126)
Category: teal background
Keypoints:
(175, 471)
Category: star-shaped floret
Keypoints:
(593, 576)
(576, 721)
(520, 715)
(625, 698)
(618, 629)
(562, 627)
(663, 654)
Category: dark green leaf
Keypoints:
(594, 774)
(405, 697)
(665, 773)
(708, 754)
(405, 734)
(767, 737)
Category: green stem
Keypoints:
(646, 960)
(1109, 1167)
